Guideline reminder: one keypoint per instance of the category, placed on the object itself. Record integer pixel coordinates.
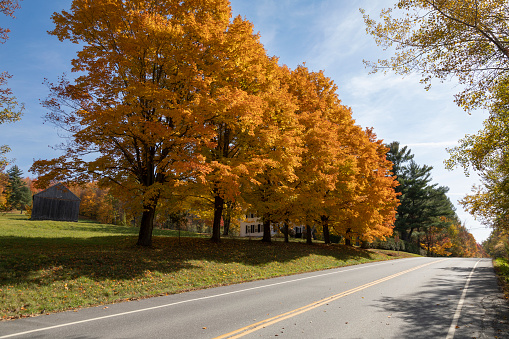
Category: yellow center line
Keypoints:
(270, 321)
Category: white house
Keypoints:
(252, 226)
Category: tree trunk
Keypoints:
(147, 225)
(266, 230)
(325, 225)
(409, 235)
(226, 227)
(227, 218)
(428, 244)
(309, 236)
(285, 232)
(348, 242)
(218, 213)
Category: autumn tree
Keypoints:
(99, 204)
(278, 141)
(10, 108)
(369, 210)
(323, 121)
(141, 106)
(3, 183)
(381, 191)
(343, 177)
(497, 244)
(436, 242)
(463, 242)
(243, 86)
(487, 154)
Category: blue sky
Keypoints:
(327, 35)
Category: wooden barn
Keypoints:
(56, 203)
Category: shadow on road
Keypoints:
(427, 314)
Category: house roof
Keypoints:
(58, 191)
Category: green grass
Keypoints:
(48, 266)
(502, 269)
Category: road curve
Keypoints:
(406, 298)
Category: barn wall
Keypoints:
(55, 209)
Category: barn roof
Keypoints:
(58, 191)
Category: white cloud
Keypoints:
(439, 144)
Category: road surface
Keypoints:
(406, 298)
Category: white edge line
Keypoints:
(337, 270)
(455, 319)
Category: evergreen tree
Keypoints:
(398, 156)
(18, 193)
(412, 212)
(423, 206)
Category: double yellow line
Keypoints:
(270, 321)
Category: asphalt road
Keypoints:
(406, 298)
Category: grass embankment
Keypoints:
(502, 270)
(48, 266)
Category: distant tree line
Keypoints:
(15, 191)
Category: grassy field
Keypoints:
(48, 266)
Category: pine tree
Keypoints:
(18, 193)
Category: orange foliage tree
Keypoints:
(463, 242)
(278, 143)
(367, 209)
(242, 89)
(142, 101)
(3, 184)
(324, 121)
(437, 240)
(174, 99)
(343, 177)
(99, 204)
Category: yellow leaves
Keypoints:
(440, 249)
(177, 98)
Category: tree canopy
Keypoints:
(175, 103)
(487, 154)
(142, 103)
